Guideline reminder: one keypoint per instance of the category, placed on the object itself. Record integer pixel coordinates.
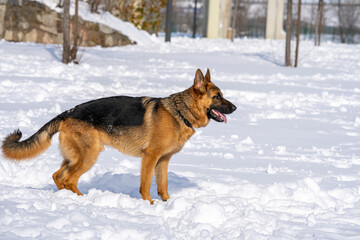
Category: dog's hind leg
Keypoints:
(58, 175)
(75, 172)
(63, 175)
(68, 175)
(161, 175)
(80, 145)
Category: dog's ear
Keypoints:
(199, 82)
(207, 76)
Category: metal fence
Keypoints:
(251, 19)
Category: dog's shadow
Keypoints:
(129, 184)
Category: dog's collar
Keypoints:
(187, 123)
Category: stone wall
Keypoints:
(31, 21)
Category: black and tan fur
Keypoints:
(151, 128)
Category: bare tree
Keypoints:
(108, 5)
(341, 25)
(60, 4)
(288, 33)
(298, 34)
(242, 19)
(233, 31)
(66, 34)
(318, 23)
(74, 49)
(168, 21)
(348, 13)
(69, 53)
(194, 21)
(94, 6)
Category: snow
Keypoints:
(285, 166)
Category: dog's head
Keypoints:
(210, 97)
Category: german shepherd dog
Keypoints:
(151, 128)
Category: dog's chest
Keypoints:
(182, 139)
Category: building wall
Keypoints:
(274, 20)
(213, 19)
(218, 23)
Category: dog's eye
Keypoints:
(217, 97)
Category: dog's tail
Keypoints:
(14, 149)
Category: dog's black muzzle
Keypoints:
(217, 112)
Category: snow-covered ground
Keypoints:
(285, 166)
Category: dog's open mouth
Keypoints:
(217, 116)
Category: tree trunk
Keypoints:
(321, 20)
(168, 21)
(66, 42)
(74, 48)
(194, 21)
(318, 24)
(60, 4)
(288, 33)
(341, 26)
(233, 30)
(298, 28)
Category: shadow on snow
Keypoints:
(129, 184)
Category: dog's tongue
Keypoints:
(219, 115)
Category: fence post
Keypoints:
(194, 22)
(168, 21)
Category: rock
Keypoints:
(49, 29)
(49, 19)
(48, 38)
(105, 29)
(24, 25)
(31, 36)
(14, 2)
(20, 36)
(8, 35)
(31, 21)
(109, 41)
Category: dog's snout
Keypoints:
(233, 108)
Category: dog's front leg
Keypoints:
(161, 175)
(148, 163)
